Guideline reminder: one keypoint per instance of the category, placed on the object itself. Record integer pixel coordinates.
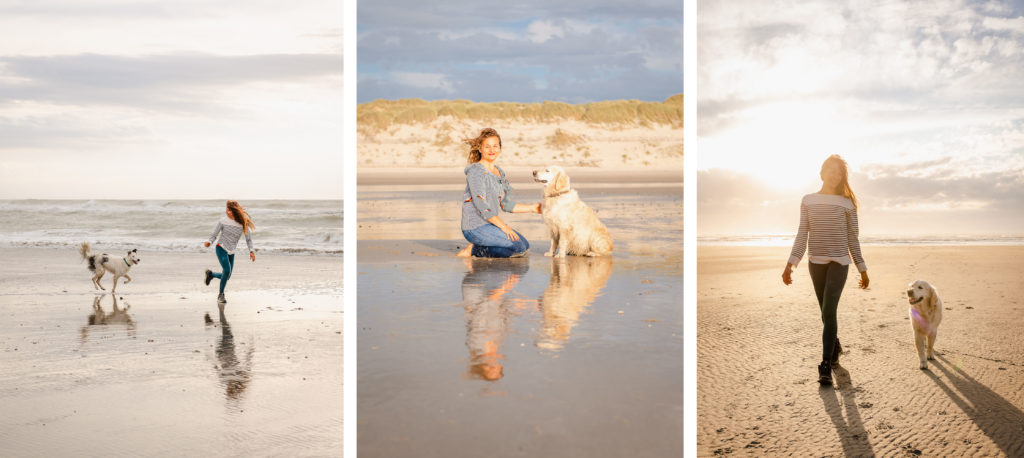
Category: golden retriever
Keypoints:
(574, 227)
(925, 316)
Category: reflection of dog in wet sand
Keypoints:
(574, 227)
(925, 316)
(116, 317)
(575, 283)
(100, 264)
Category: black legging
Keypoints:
(828, 280)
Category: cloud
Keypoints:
(167, 81)
(540, 50)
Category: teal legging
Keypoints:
(227, 264)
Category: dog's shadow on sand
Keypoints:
(852, 435)
(116, 317)
(999, 419)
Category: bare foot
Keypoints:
(466, 252)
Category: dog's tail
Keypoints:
(602, 244)
(86, 251)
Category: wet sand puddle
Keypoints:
(171, 375)
(520, 357)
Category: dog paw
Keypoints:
(924, 366)
(931, 358)
(548, 254)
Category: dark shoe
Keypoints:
(221, 300)
(825, 373)
(209, 276)
(836, 351)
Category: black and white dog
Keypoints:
(100, 264)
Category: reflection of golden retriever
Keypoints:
(925, 316)
(575, 283)
(574, 227)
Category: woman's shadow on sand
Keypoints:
(999, 419)
(852, 435)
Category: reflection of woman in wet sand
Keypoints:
(575, 283)
(488, 193)
(234, 373)
(484, 290)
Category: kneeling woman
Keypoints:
(487, 192)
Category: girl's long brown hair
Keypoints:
(474, 144)
(844, 185)
(240, 216)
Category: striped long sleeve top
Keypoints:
(828, 225)
(230, 231)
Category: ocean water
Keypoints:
(300, 227)
(881, 240)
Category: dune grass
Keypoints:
(380, 115)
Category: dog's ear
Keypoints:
(561, 182)
(933, 297)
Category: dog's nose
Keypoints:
(910, 293)
(534, 173)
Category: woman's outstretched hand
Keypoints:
(206, 244)
(787, 275)
(538, 207)
(864, 281)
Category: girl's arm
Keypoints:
(216, 231)
(248, 241)
(511, 234)
(478, 192)
(853, 240)
(799, 246)
(526, 208)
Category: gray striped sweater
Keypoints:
(828, 225)
(486, 194)
(230, 231)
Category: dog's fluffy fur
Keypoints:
(100, 264)
(573, 226)
(925, 316)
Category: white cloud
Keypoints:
(424, 80)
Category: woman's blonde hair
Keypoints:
(240, 216)
(474, 144)
(844, 185)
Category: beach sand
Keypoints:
(759, 343)
(149, 375)
(518, 357)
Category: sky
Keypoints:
(575, 51)
(924, 99)
(192, 99)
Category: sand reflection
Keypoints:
(117, 317)
(575, 282)
(485, 291)
(234, 372)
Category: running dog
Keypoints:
(100, 264)
(925, 316)
(574, 227)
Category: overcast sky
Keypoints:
(573, 51)
(138, 99)
(925, 100)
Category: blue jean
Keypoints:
(227, 264)
(829, 280)
(490, 242)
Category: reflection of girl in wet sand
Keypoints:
(234, 373)
(828, 225)
(487, 193)
(484, 290)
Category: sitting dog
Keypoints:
(925, 316)
(573, 225)
(100, 264)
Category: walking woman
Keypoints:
(230, 229)
(488, 192)
(828, 224)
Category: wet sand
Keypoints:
(145, 373)
(519, 357)
(759, 343)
